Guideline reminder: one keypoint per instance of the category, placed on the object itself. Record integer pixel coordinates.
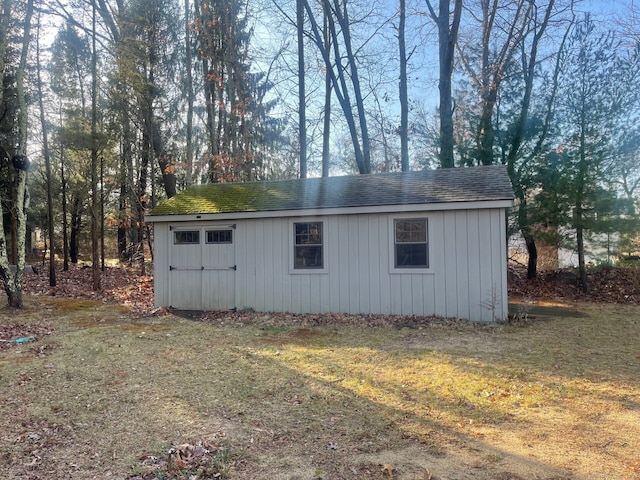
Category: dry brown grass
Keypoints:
(549, 398)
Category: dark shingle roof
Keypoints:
(488, 183)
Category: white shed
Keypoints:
(414, 243)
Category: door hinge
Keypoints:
(235, 267)
(171, 268)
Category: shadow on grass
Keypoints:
(297, 401)
(534, 310)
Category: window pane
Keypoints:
(411, 230)
(308, 257)
(219, 236)
(308, 233)
(419, 230)
(186, 237)
(308, 245)
(411, 255)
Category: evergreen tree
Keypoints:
(589, 109)
(239, 127)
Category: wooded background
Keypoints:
(108, 107)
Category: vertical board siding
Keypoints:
(262, 242)
(384, 255)
(242, 250)
(375, 277)
(364, 262)
(429, 295)
(395, 293)
(486, 263)
(353, 247)
(499, 248)
(407, 294)
(501, 274)
(161, 264)
(420, 304)
(466, 274)
(437, 247)
(473, 263)
(462, 264)
(264, 262)
(332, 299)
(341, 275)
(450, 270)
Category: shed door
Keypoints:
(218, 269)
(202, 268)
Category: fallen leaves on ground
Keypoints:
(387, 469)
(11, 334)
(187, 460)
(122, 284)
(607, 284)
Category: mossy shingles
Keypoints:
(230, 197)
(424, 187)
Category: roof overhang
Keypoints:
(424, 207)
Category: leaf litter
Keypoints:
(197, 460)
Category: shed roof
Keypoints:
(476, 184)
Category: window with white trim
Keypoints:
(411, 243)
(186, 237)
(308, 245)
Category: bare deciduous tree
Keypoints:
(448, 24)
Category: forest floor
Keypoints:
(106, 386)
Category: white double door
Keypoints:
(202, 268)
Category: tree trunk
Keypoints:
(486, 134)
(65, 220)
(95, 208)
(447, 38)
(13, 280)
(167, 169)
(102, 202)
(326, 130)
(302, 99)
(582, 266)
(190, 95)
(532, 251)
(343, 21)
(124, 219)
(47, 162)
(404, 99)
(5, 17)
(339, 82)
(76, 225)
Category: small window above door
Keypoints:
(219, 236)
(186, 237)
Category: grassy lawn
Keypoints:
(275, 397)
